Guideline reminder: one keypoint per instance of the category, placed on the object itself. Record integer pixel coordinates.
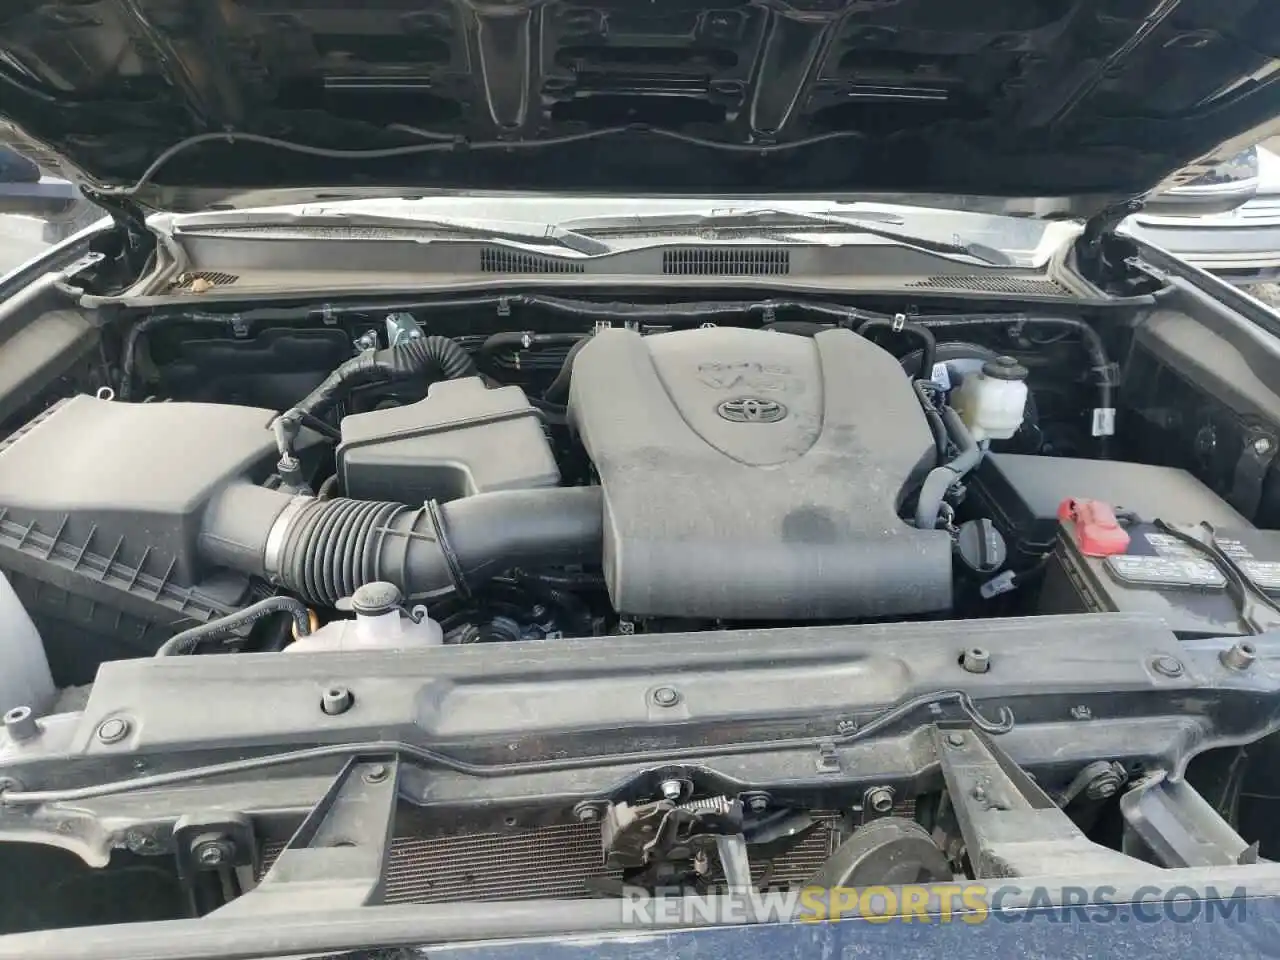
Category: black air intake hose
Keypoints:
(324, 549)
(427, 359)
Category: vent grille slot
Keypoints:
(498, 260)
(213, 278)
(1044, 288)
(726, 261)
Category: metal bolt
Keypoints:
(976, 660)
(336, 700)
(1262, 446)
(1107, 788)
(626, 627)
(671, 789)
(113, 730)
(1081, 712)
(136, 841)
(1239, 656)
(209, 855)
(979, 792)
(879, 799)
(213, 853)
(20, 724)
(1167, 666)
(376, 774)
(758, 804)
(587, 814)
(1106, 782)
(955, 739)
(666, 696)
(846, 727)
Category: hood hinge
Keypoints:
(1103, 223)
(1096, 248)
(137, 240)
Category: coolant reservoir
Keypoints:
(379, 624)
(992, 401)
(24, 670)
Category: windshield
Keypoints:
(1027, 242)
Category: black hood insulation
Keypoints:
(181, 104)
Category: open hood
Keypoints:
(1049, 106)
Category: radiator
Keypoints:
(563, 861)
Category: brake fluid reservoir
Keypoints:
(992, 401)
(379, 624)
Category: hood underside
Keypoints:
(1097, 100)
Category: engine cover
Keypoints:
(751, 474)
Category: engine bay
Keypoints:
(548, 477)
(598, 597)
(669, 467)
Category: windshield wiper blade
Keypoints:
(532, 234)
(871, 223)
(728, 219)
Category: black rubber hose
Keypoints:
(323, 550)
(186, 641)
(591, 311)
(427, 359)
(527, 340)
(329, 489)
(941, 478)
(564, 579)
(932, 417)
(129, 351)
(928, 346)
(558, 391)
(1098, 358)
(279, 636)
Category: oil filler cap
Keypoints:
(375, 599)
(980, 547)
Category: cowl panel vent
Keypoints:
(726, 261)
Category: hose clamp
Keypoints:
(278, 536)
(446, 550)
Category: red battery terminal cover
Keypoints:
(1098, 533)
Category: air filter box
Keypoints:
(101, 504)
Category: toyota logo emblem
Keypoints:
(752, 410)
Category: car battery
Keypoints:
(1021, 494)
(1158, 573)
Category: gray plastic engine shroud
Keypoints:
(752, 474)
